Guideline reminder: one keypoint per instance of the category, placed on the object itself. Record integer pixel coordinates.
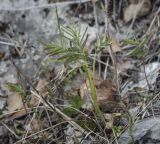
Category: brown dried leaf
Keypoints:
(41, 89)
(14, 101)
(106, 91)
(85, 86)
(18, 114)
(41, 86)
(115, 46)
(111, 106)
(16, 108)
(136, 8)
(85, 95)
(85, 91)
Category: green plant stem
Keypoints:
(92, 89)
(94, 63)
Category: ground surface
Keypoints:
(25, 28)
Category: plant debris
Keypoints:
(83, 71)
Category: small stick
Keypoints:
(44, 6)
(106, 68)
(36, 93)
(113, 57)
(144, 69)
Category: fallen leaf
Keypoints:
(111, 106)
(41, 89)
(115, 46)
(18, 114)
(136, 9)
(14, 101)
(15, 106)
(105, 91)
(41, 86)
(85, 86)
(85, 91)
(85, 95)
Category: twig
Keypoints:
(98, 60)
(113, 57)
(7, 43)
(97, 134)
(50, 122)
(25, 135)
(62, 114)
(144, 69)
(99, 65)
(42, 131)
(148, 104)
(44, 6)
(36, 93)
(105, 70)
(10, 130)
(85, 137)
